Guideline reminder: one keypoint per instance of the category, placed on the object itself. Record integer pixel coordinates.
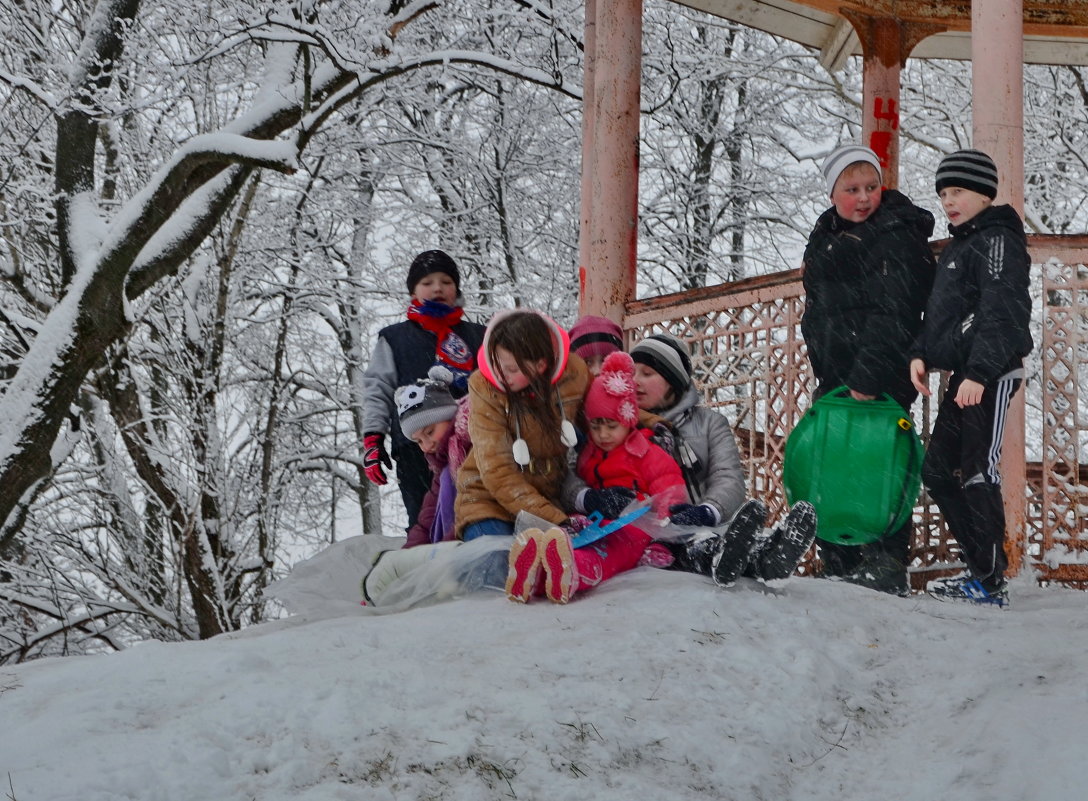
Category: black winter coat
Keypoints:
(866, 285)
(977, 319)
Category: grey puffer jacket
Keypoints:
(707, 453)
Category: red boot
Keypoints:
(560, 573)
(524, 565)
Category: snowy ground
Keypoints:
(655, 686)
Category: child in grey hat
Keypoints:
(867, 271)
(428, 416)
(431, 417)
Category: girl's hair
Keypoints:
(528, 338)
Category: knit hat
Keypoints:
(612, 393)
(842, 157)
(667, 356)
(968, 169)
(432, 261)
(595, 336)
(426, 401)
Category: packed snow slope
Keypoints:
(657, 685)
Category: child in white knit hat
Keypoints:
(867, 271)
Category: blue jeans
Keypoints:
(491, 570)
(489, 527)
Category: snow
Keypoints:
(656, 685)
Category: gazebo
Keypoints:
(758, 317)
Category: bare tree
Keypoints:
(148, 134)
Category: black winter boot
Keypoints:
(789, 543)
(735, 546)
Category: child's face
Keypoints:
(595, 363)
(857, 192)
(606, 433)
(961, 205)
(651, 388)
(430, 437)
(511, 374)
(435, 286)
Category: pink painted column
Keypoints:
(997, 84)
(607, 272)
(588, 127)
(883, 60)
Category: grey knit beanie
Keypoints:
(426, 401)
(842, 157)
(667, 356)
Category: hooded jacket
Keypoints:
(705, 449)
(866, 285)
(977, 319)
(436, 519)
(637, 464)
(491, 484)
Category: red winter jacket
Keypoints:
(637, 464)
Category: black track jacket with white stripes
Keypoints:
(977, 317)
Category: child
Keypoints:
(438, 424)
(701, 441)
(522, 400)
(434, 333)
(976, 325)
(867, 272)
(618, 454)
(593, 338)
(529, 386)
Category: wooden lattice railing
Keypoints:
(749, 359)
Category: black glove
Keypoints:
(685, 514)
(610, 502)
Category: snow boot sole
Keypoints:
(789, 542)
(736, 543)
(525, 563)
(560, 574)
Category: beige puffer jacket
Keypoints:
(490, 483)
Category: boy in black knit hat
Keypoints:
(976, 325)
(434, 333)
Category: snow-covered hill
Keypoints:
(657, 685)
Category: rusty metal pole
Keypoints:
(588, 128)
(997, 84)
(607, 275)
(882, 46)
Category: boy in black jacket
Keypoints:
(976, 325)
(867, 272)
(434, 333)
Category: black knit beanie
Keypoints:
(968, 169)
(432, 261)
(667, 356)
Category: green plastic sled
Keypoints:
(858, 462)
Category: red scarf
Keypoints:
(439, 319)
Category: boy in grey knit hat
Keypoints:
(867, 271)
(423, 405)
